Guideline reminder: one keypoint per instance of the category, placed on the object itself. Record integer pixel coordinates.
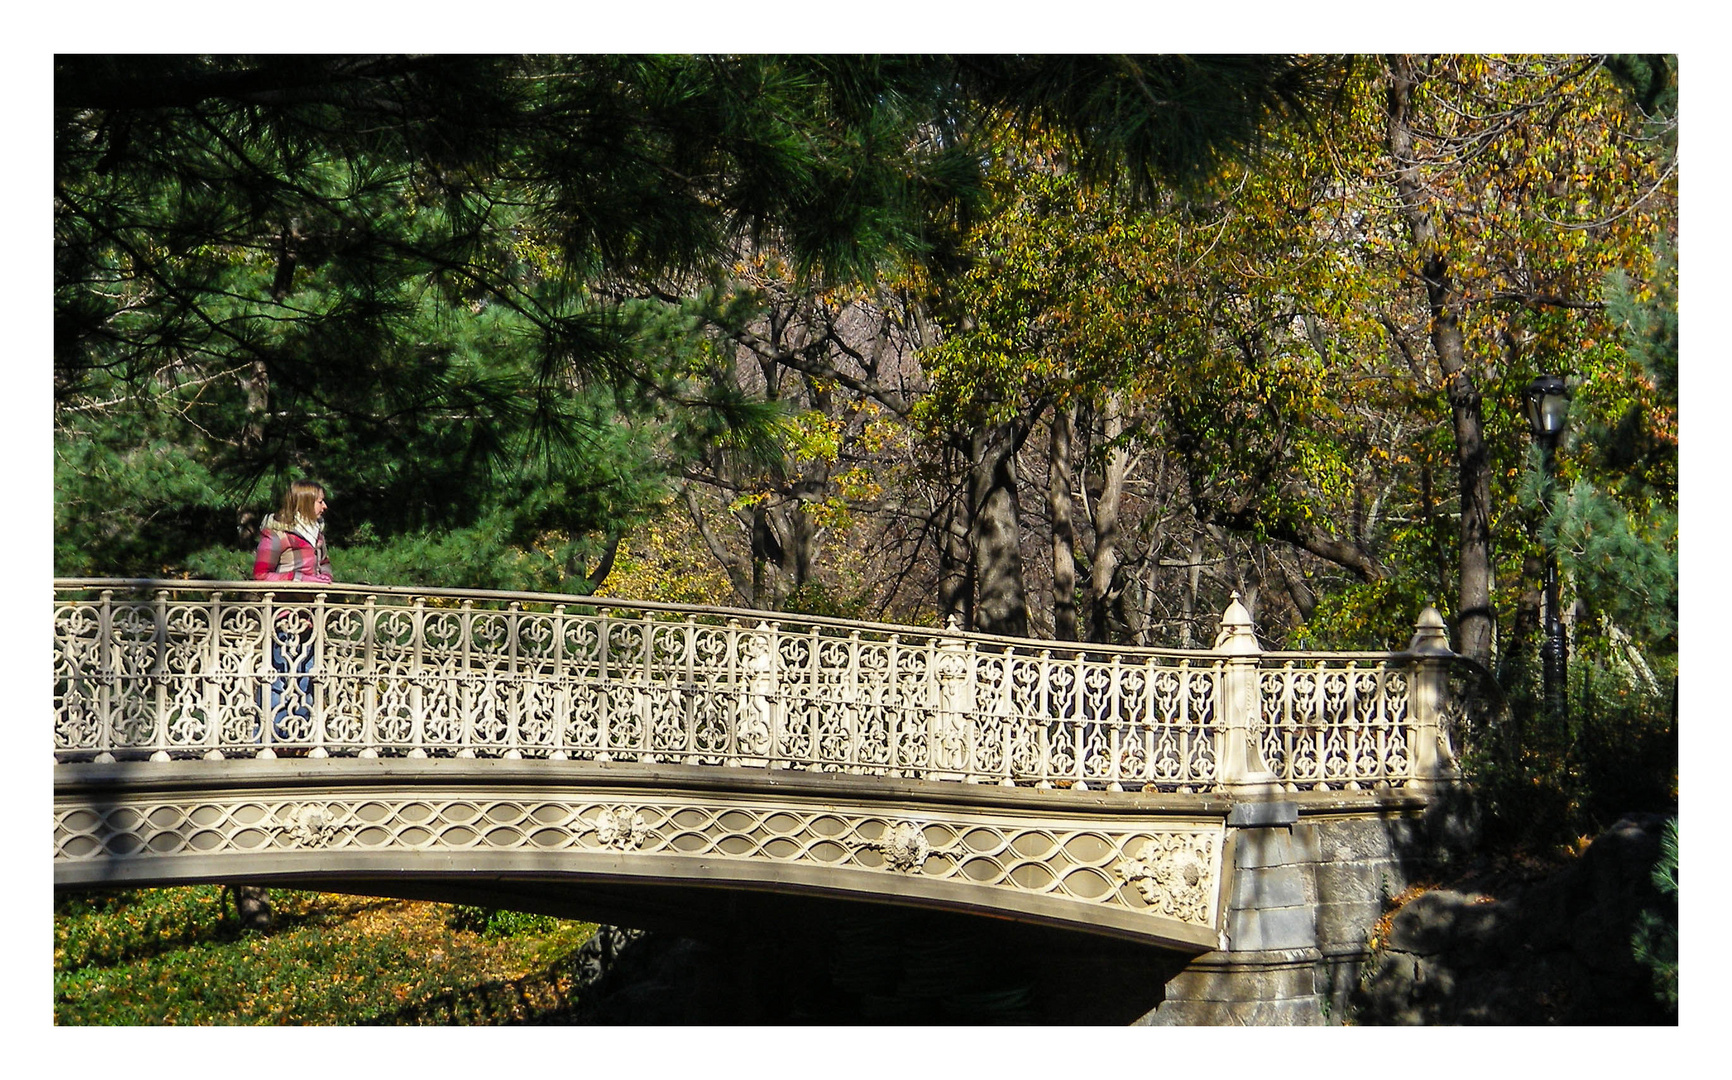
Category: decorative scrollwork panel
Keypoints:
(1329, 728)
(1171, 870)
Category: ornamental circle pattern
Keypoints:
(1101, 863)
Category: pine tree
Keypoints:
(1616, 528)
(422, 279)
(414, 275)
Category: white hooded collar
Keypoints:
(308, 531)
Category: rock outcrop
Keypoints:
(1553, 950)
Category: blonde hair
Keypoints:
(298, 503)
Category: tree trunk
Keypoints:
(253, 907)
(1530, 609)
(1304, 600)
(955, 577)
(1063, 528)
(604, 566)
(800, 532)
(738, 576)
(1193, 579)
(1475, 621)
(1001, 604)
(766, 550)
(1105, 580)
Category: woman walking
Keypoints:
(292, 548)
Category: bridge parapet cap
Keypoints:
(1430, 635)
(1237, 638)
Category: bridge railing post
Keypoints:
(268, 669)
(1239, 707)
(778, 672)
(948, 743)
(156, 682)
(417, 688)
(1428, 701)
(369, 664)
(321, 685)
(209, 659)
(462, 679)
(755, 730)
(101, 657)
(224, 688)
(513, 748)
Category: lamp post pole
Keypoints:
(1548, 410)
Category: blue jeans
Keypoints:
(291, 693)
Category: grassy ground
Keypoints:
(178, 956)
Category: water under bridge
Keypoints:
(644, 763)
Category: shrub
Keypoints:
(1548, 779)
(500, 922)
(1656, 942)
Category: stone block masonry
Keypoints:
(1311, 875)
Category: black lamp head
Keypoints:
(1548, 406)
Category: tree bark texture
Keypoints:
(1106, 582)
(1475, 620)
(738, 576)
(1001, 605)
(955, 577)
(1193, 579)
(1059, 480)
(604, 566)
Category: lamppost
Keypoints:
(1548, 406)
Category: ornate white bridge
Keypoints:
(568, 751)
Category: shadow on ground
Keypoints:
(840, 964)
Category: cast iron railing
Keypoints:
(173, 669)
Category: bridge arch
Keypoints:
(1136, 866)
